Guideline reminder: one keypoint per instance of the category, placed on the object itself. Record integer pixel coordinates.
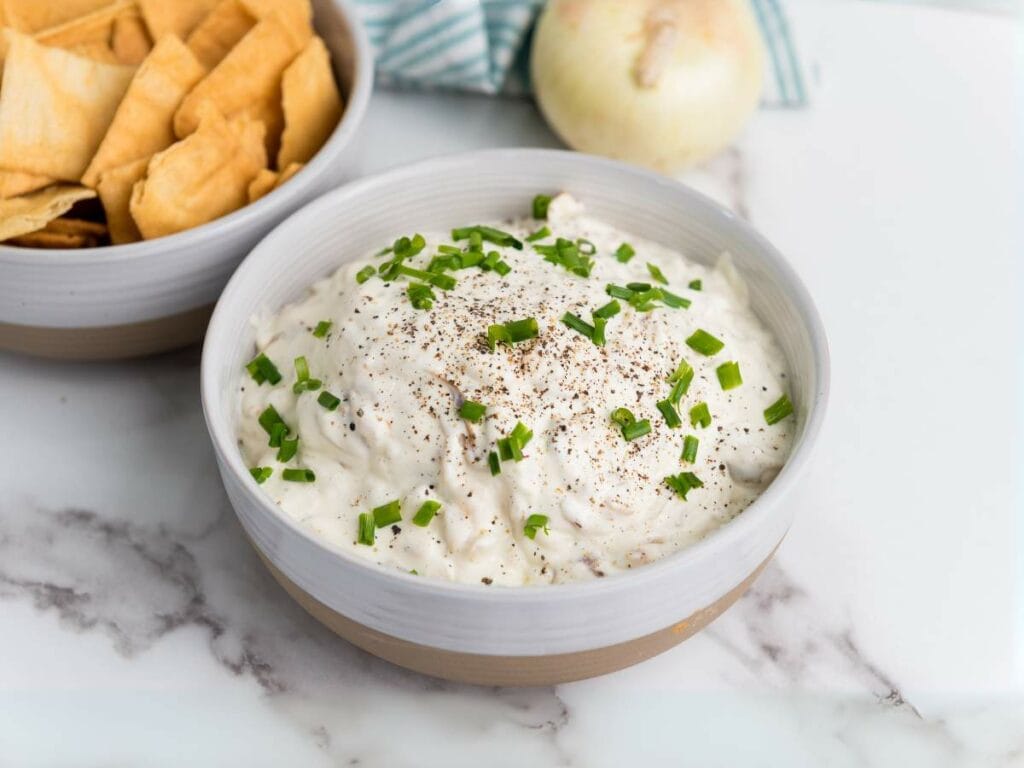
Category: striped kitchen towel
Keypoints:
(483, 46)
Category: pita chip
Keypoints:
(311, 104)
(300, 11)
(31, 212)
(115, 190)
(220, 31)
(248, 80)
(34, 15)
(55, 108)
(267, 181)
(63, 233)
(174, 17)
(14, 183)
(130, 41)
(143, 123)
(202, 177)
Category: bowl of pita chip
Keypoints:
(147, 145)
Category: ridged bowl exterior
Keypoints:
(481, 186)
(127, 285)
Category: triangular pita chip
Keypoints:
(300, 11)
(143, 124)
(201, 178)
(130, 43)
(55, 108)
(31, 212)
(311, 102)
(92, 27)
(248, 80)
(33, 15)
(115, 190)
(174, 17)
(220, 31)
(63, 233)
(14, 183)
(267, 181)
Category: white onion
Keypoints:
(660, 83)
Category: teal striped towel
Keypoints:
(483, 45)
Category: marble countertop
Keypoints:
(138, 628)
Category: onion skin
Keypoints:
(659, 83)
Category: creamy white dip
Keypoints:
(402, 373)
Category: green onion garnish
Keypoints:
(690, 443)
(367, 530)
(656, 273)
(535, 523)
(491, 261)
(476, 241)
(624, 252)
(517, 440)
(638, 287)
(578, 325)
(586, 247)
(636, 429)
(262, 369)
(494, 463)
(598, 337)
(451, 250)
(729, 375)
(471, 259)
(278, 432)
(421, 296)
(540, 206)
(302, 381)
(445, 282)
(490, 234)
(778, 410)
(623, 416)
(298, 475)
(680, 380)
(566, 253)
(387, 514)
(540, 234)
(700, 414)
(322, 328)
(512, 332)
(703, 342)
(472, 411)
(426, 513)
(610, 309)
(261, 474)
(643, 301)
(683, 483)
(505, 449)
(671, 300)
(696, 285)
(498, 333)
(502, 268)
(273, 425)
(670, 414)
(365, 273)
(328, 401)
(287, 450)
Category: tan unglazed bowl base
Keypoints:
(511, 670)
(112, 342)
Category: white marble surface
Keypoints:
(137, 628)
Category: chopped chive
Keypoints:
(273, 425)
(262, 369)
(278, 433)
(703, 342)
(451, 250)
(502, 268)
(261, 474)
(420, 296)
(700, 414)
(610, 309)
(670, 413)
(690, 443)
(328, 401)
(367, 530)
(518, 439)
(426, 513)
(301, 368)
(471, 259)
(498, 333)
(778, 410)
(472, 411)
(288, 450)
(405, 247)
(636, 429)
(298, 475)
(540, 234)
(322, 328)
(383, 252)
(624, 252)
(623, 416)
(535, 523)
(729, 375)
(579, 325)
(540, 206)
(505, 449)
(586, 247)
(680, 380)
(657, 274)
(365, 273)
(445, 282)
(618, 292)
(643, 301)
(494, 463)
(638, 287)
(306, 385)
(491, 261)
(439, 264)
(598, 337)
(387, 514)
(671, 300)
(476, 241)
(522, 330)
(490, 234)
(683, 483)
(696, 285)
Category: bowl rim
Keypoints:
(355, 107)
(225, 444)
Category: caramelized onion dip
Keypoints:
(530, 402)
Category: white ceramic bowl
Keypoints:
(126, 300)
(528, 635)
